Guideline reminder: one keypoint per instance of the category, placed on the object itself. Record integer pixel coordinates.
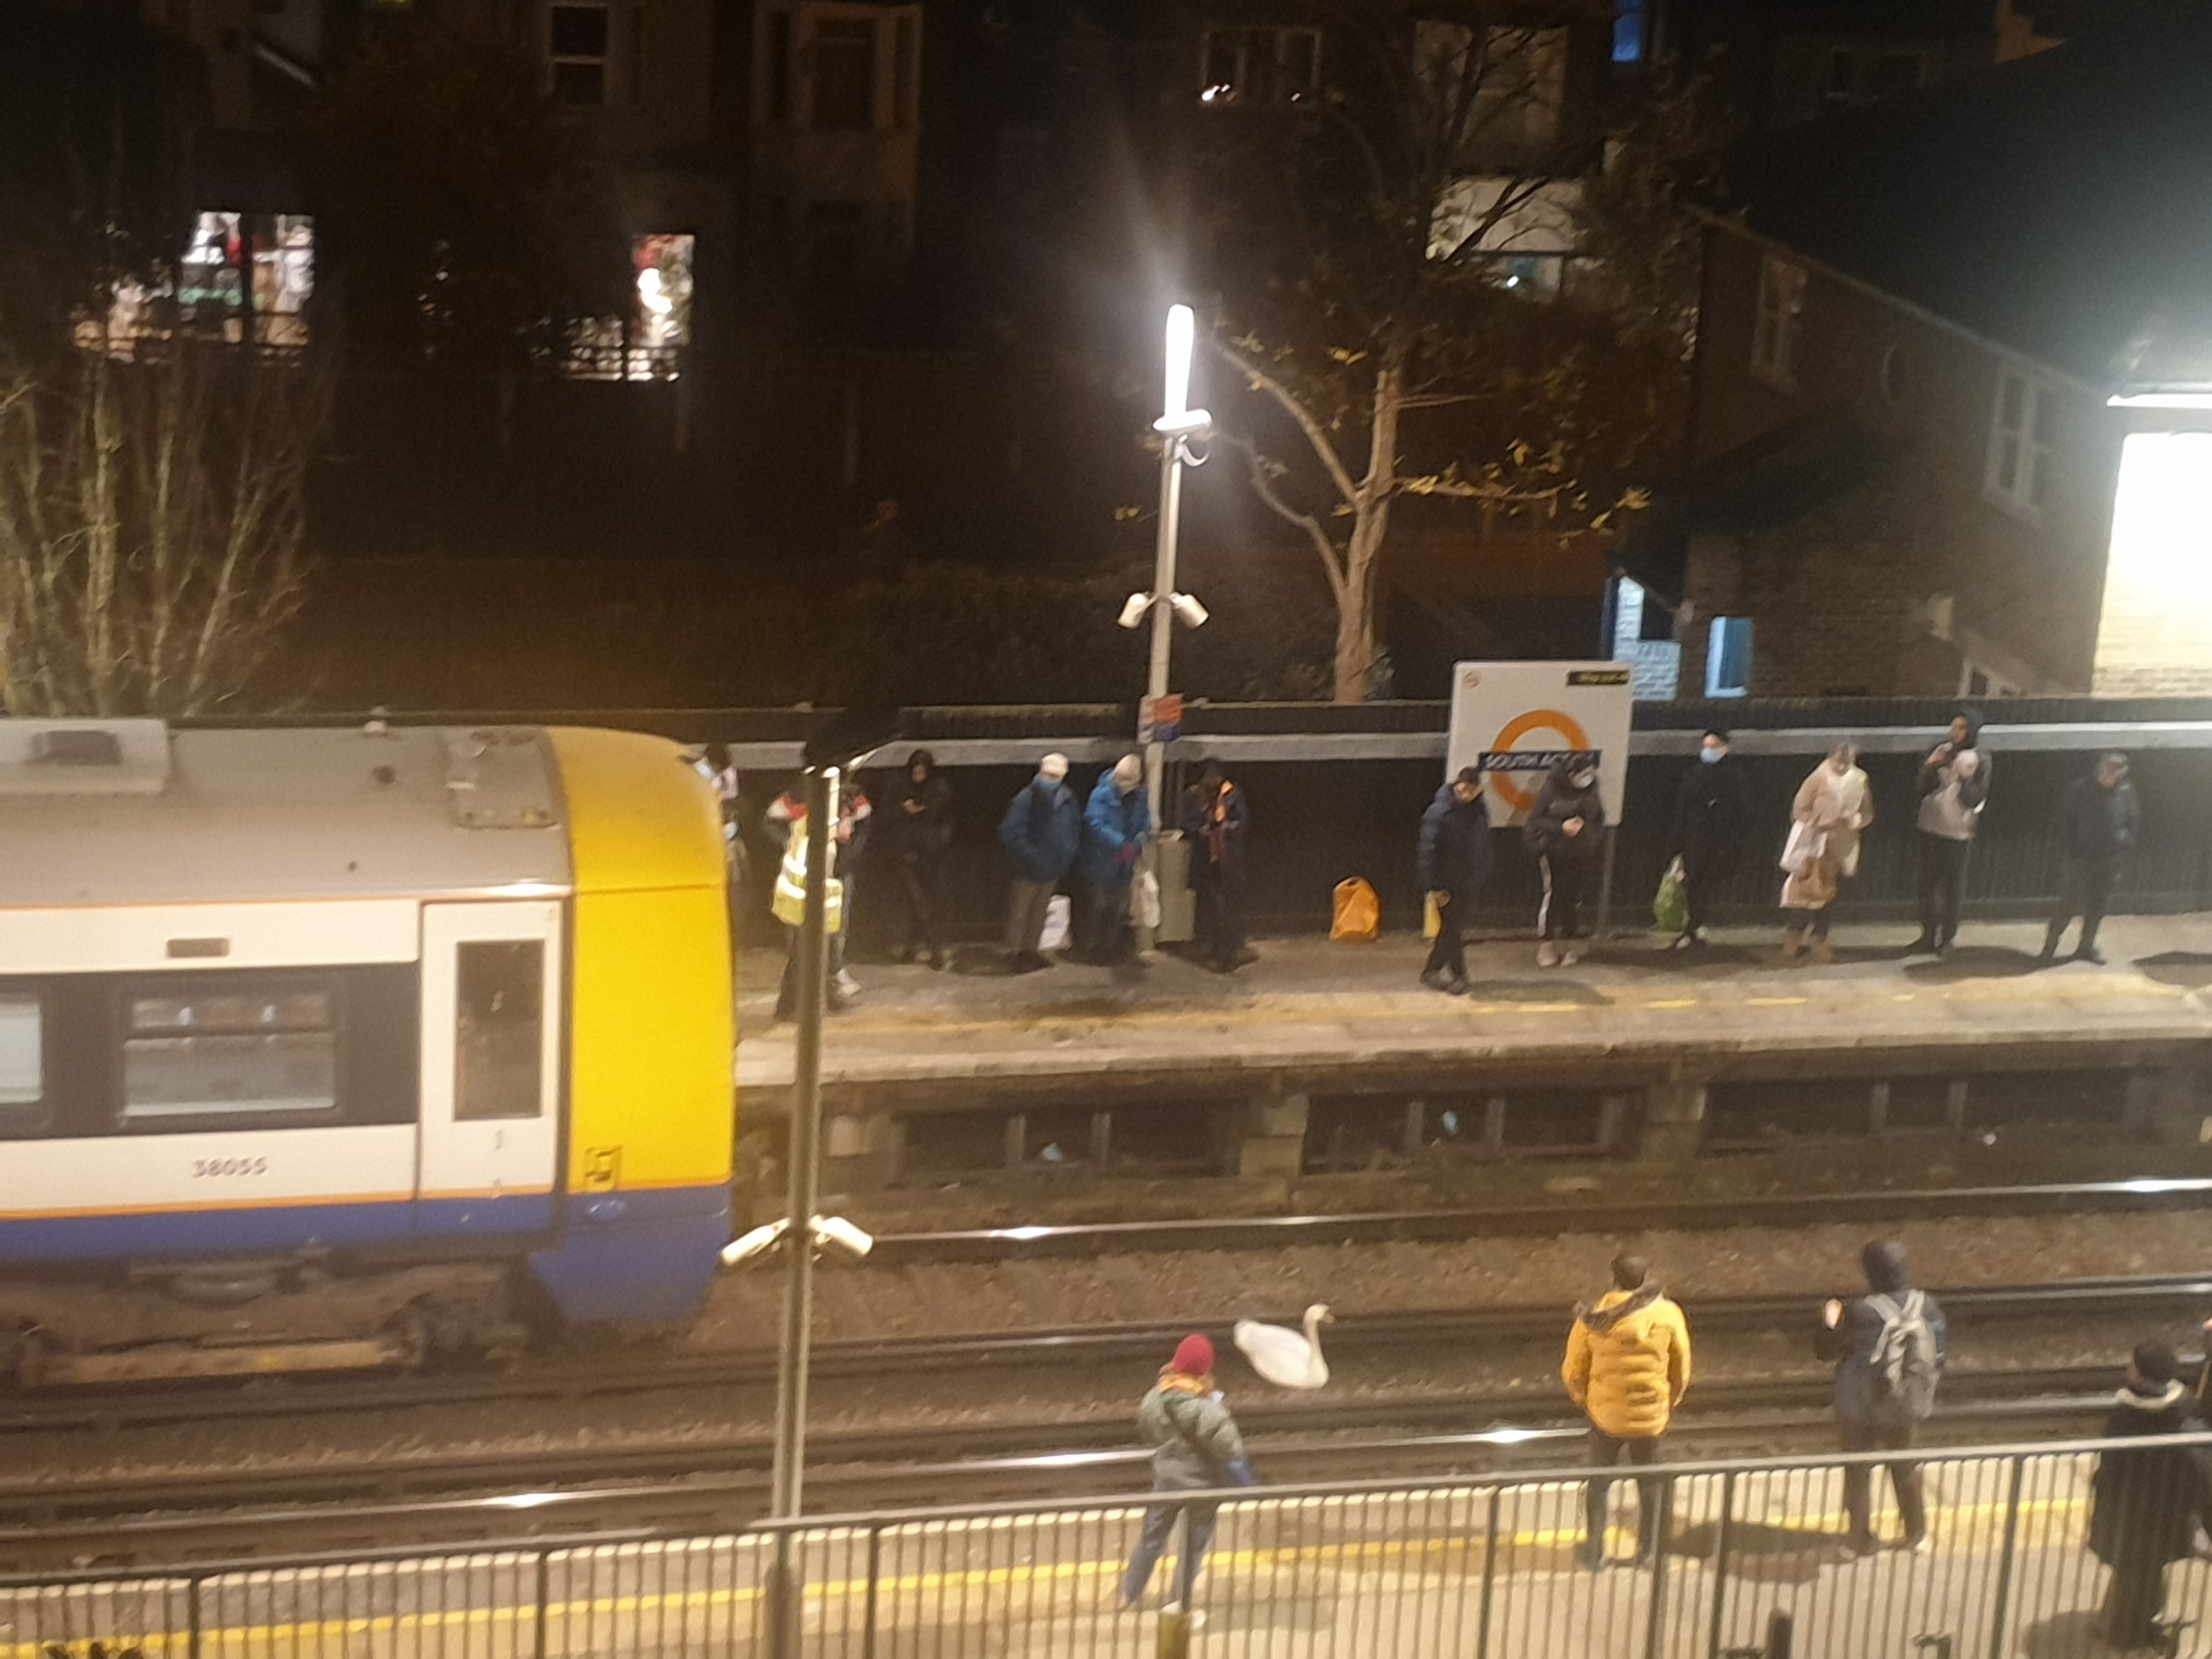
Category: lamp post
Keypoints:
(1178, 425)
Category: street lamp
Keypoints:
(1179, 426)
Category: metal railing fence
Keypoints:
(1473, 1569)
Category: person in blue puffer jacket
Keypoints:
(1042, 831)
(1117, 826)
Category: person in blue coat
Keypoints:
(1116, 827)
(1042, 831)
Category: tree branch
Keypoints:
(1333, 558)
(1316, 435)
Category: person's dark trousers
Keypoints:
(1448, 953)
(787, 995)
(1701, 882)
(918, 882)
(1220, 924)
(1943, 886)
(2134, 1600)
(2084, 890)
(1110, 922)
(1651, 1491)
(1904, 1480)
(1027, 902)
(1153, 1542)
(1565, 883)
(1814, 922)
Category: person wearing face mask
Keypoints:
(1833, 808)
(1565, 830)
(1117, 826)
(1711, 811)
(1954, 787)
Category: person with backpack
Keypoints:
(1453, 861)
(1041, 832)
(2147, 1504)
(1195, 1447)
(1892, 1342)
(1628, 1366)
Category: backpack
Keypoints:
(1903, 1368)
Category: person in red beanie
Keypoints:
(1195, 1447)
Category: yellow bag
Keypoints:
(1432, 919)
(1358, 913)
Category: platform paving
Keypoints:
(1311, 1007)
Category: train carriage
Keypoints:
(326, 1048)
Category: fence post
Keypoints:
(1489, 1574)
(545, 1596)
(1662, 1535)
(1720, 1566)
(875, 1577)
(192, 1616)
(786, 1611)
(1781, 1635)
(2002, 1604)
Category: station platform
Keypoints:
(1478, 1570)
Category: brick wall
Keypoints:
(1840, 596)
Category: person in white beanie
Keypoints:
(1042, 831)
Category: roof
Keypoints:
(293, 814)
(2051, 205)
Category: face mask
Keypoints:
(1583, 779)
(1710, 757)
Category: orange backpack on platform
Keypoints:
(1358, 913)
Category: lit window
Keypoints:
(1728, 657)
(663, 327)
(267, 1050)
(22, 1065)
(1774, 330)
(1629, 23)
(499, 1030)
(579, 40)
(2021, 432)
(1263, 66)
(844, 62)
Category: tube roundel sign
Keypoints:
(1515, 720)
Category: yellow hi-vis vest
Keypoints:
(790, 902)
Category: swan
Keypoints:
(1283, 1356)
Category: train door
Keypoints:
(491, 1071)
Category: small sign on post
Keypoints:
(1159, 719)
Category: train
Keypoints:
(332, 1048)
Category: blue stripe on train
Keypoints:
(625, 1255)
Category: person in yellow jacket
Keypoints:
(1628, 1366)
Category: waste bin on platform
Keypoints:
(1178, 910)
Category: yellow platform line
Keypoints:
(1814, 1527)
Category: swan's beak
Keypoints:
(1330, 1319)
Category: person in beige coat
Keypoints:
(1834, 807)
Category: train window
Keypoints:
(22, 1064)
(232, 1051)
(500, 1028)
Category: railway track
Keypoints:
(726, 1485)
(1258, 1233)
(2156, 1296)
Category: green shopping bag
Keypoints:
(1670, 905)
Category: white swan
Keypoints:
(1283, 1358)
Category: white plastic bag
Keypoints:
(1805, 844)
(1145, 902)
(1056, 913)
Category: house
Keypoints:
(1950, 431)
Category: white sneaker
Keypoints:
(1548, 954)
(847, 984)
(1571, 955)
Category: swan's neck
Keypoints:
(1313, 1330)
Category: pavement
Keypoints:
(1309, 1007)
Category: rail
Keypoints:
(1471, 1567)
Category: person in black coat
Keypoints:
(1566, 831)
(2097, 823)
(1712, 812)
(2146, 1505)
(913, 841)
(1453, 862)
(1214, 822)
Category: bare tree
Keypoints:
(152, 526)
(1361, 283)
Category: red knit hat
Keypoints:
(1195, 1356)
